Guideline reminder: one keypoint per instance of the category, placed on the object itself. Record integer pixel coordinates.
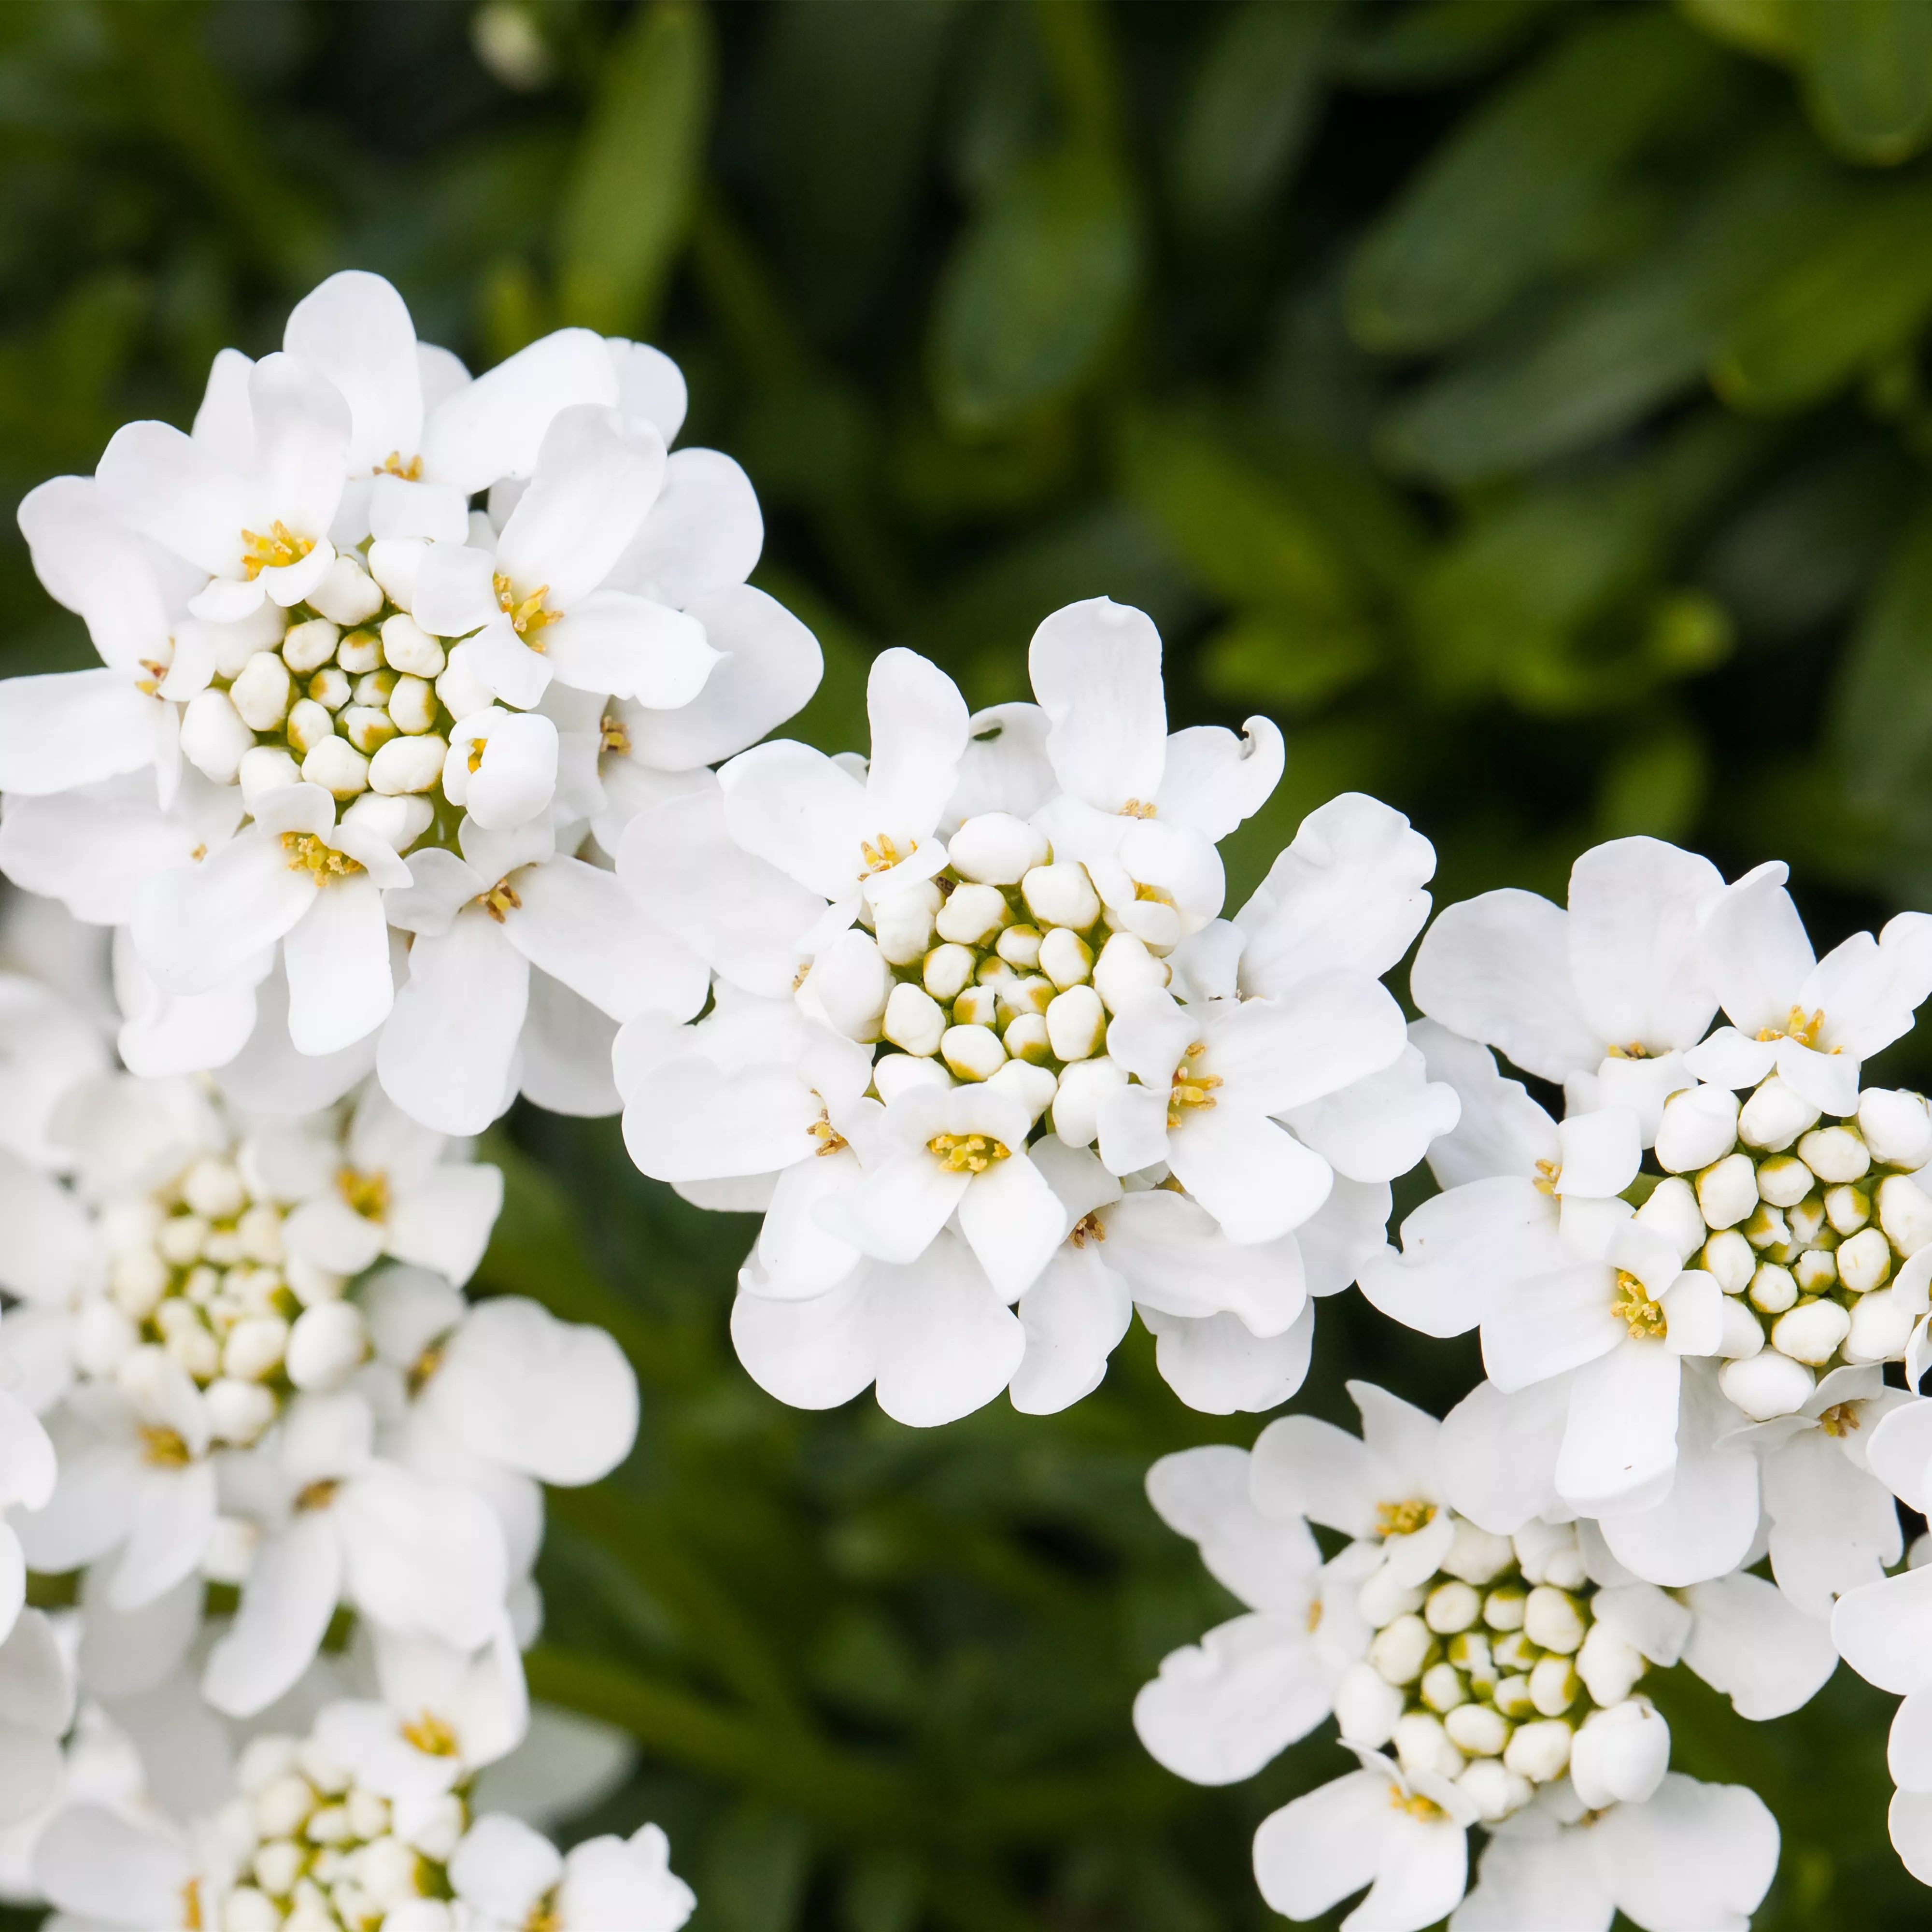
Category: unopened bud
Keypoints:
(1727, 1192)
(1026, 1038)
(1848, 1207)
(1477, 1729)
(1881, 1327)
(1620, 1756)
(1773, 1117)
(405, 766)
(1511, 1697)
(1076, 1104)
(1065, 958)
(1502, 1609)
(1784, 1180)
(914, 1019)
(973, 1052)
(1608, 1666)
(214, 737)
(307, 647)
(1864, 1261)
(367, 728)
(359, 651)
(972, 915)
(346, 592)
(1834, 1153)
(1767, 1227)
(1477, 1555)
(1061, 895)
(1553, 1685)
(255, 1347)
(213, 1189)
(903, 923)
(1700, 1126)
(1126, 971)
(1896, 1126)
(978, 1006)
(338, 767)
(408, 647)
(849, 983)
(1766, 1384)
(1366, 1706)
(1730, 1260)
(1816, 1271)
(1905, 1213)
(327, 1342)
(238, 1412)
(1773, 1288)
(1421, 1744)
(1383, 1597)
(1671, 1212)
(1442, 1687)
(1402, 1650)
(1551, 1618)
(1019, 945)
(1076, 1023)
(996, 849)
(1539, 1752)
(1811, 1334)
(896, 1073)
(1451, 1607)
(262, 693)
(311, 725)
(1494, 1791)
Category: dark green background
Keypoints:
(1523, 401)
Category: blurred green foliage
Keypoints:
(1524, 400)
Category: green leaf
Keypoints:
(1773, 28)
(1503, 199)
(1620, 349)
(1856, 295)
(629, 202)
(1881, 722)
(1036, 290)
(1654, 784)
(1438, 43)
(1250, 110)
(1868, 75)
(755, 1874)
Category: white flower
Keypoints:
(37, 1706)
(1694, 1855)
(509, 1877)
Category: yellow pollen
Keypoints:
(368, 1194)
(1315, 1615)
(316, 1495)
(1135, 808)
(1403, 1519)
(476, 755)
(280, 547)
(190, 1898)
(156, 671)
(1797, 1026)
(1416, 1806)
(882, 856)
(163, 1448)
(431, 1735)
(424, 1366)
(612, 736)
(545, 1916)
(1633, 1306)
(967, 1153)
(1840, 1419)
(393, 465)
(1635, 1050)
(1088, 1228)
(1154, 892)
(1548, 1173)
(1190, 1089)
(309, 853)
(500, 898)
(529, 617)
(200, 852)
(830, 1139)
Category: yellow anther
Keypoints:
(368, 1194)
(1154, 892)
(156, 671)
(280, 547)
(612, 736)
(393, 465)
(200, 852)
(1416, 1805)
(476, 755)
(423, 1368)
(544, 1916)
(1190, 1089)
(190, 1898)
(967, 1153)
(1136, 808)
(1798, 1026)
(529, 617)
(163, 1448)
(882, 855)
(500, 898)
(1315, 1615)
(309, 853)
(431, 1735)
(1088, 1228)
(316, 1495)
(1634, 1050)
(830, 1139)
(1548, 1173)
(1840, 1419)
(1633, 1306)
(1404, 1519)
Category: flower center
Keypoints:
(280, 547)
(190, 1899)
(544, 1916)
(500, 898)
(317, 1496)
(424, 1367)
(1414, 1804)
(527, 617)
(1088, 1228)
(431, 1735)
(1548, 1173)
(1404, 1519)
(967, 1153)
(1190, 1089)
(1840, 1419)
(1634, 1049)
(882, 854)
(1136, 808)
(1632, 1306)
(368, 1194)
(393, 465)
(830, 1139)
(1797, 1026)
(611, 734)
(308, 852)
(163, 1448)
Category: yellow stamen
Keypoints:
(368, 1194)
(1135, 808)
(431, 1735)
(156, 671)
(528, 617)
(393, 465)
(612, 735)
(1315, 1615)
(1154, 892)
(1190, 1089)
(882, 856)
(1840, 1419)
(190, 1898)
(1416, 1805)
(279, 548)
(967, 1153)
(1088, 1228)
(424, 1366)
(163, 1448)
(500, 898)
(544, 1916)
(1635, 1050)
(316, 1495)
(1404, 1519)
(1633, 1306)
(200, 852)
(1548, 1173)
(830, 1139)
(1797, 1026)
(308, 852)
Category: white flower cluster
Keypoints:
(979, 1037)
(268, 1465)
(391, 654)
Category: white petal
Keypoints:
(1075, 1315)
(631, 647)
(704, 531)
(813, 1353)
(1312, 1853)
(1380, 1126)
(302, 439)
(1879, 1631)
(794, 808)
(108, 1870)
(70, 728)
(172, 1521)
(51, 1250)
(446, 1053)
(1095, 671)
(198, 926)
(1258, 1180)
(1908, 1746)
(565, 1049)
(1497, 1452)
(578, 924)
(356, 330)
(444, 1222)
(1500, 1130)
(947, 1344)
(1751, 1642)
(286, 1603)
(1013, 1222)
(919, 735)
(1697, 1858)
(340, 988)
(1756, 951)
(1622, 1439)
(503, 1868)
(1303, 1467)
(494, 427)
(1217, 1365)
(1220, 1711)
(179, 493)
(1213, 780)
(1636, 959)
(454, 593)
(1174, 1256)
(1325, 1033)
(425, 1557)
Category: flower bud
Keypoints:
(994, 848)
(326, 1343)
(1469, 1651)
(849, 983)
(1019, 945)
(1773, 1117)
(1126, 971)
(408, 647)
(1768, 1228)
(1030, 993)
(214, 737)
(1553, 1685)
(330, 687)
(278, 1864)
(972, 915)
(1811, 1334)
(309, 725)
(1727, 1192)
(213, 1188)
(1700, 1126)
(261, 694)
(1773, 1288)
(1551, 1618)
(1065, 958)
(1477, 1729)
(463, 689)
(1881, 1327)
(1834, 1153)
(1608, 1666)
(1766, 1384)
(896, 1073)
(1076, 1023)
(1816, 1271)
(1537, 1543)
(266, 768)
(367, 728)
(346, 592)
(255, 1347)
(1848, 1207)
(1366, 1706)
(412, 705)
(1477, 1555)
(338, 767)
(102, 1337)
(1620, 1755)
(359, 651)
(1905, 1213)
(1502, 1608)
(407, 766)
(307, 647)
(1730, 1260)
(1421, 1743)
(1451, 1607)
(1076, 1104)
(1864, 1261)
(1383, 1597)
(1511, 1697)
(1400, 1650)
(1742, 1333)
(1061, 895)
(903, 923)
(914, 1019)
(973, 1052)
(1494, 1790)
(978, 1006)
(238, 1412)
(1442, 1688)
(1783, 1181)
(1896, 1126)
(1671, 1212)
(283, 1806)
(1539, 1752)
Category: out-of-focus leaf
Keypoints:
(884, 1892)
(1500, 201)
(1436, 43)
(1006, 112)
(834, 719)
(1881, 727)
(1037, 288)
(1865, 288)
(1261, 657)
(1868, 75)
(1654, 783)
(629, 203)
(1250, 110)
(1619, 350)
(754, 1877)
(1774, 28)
